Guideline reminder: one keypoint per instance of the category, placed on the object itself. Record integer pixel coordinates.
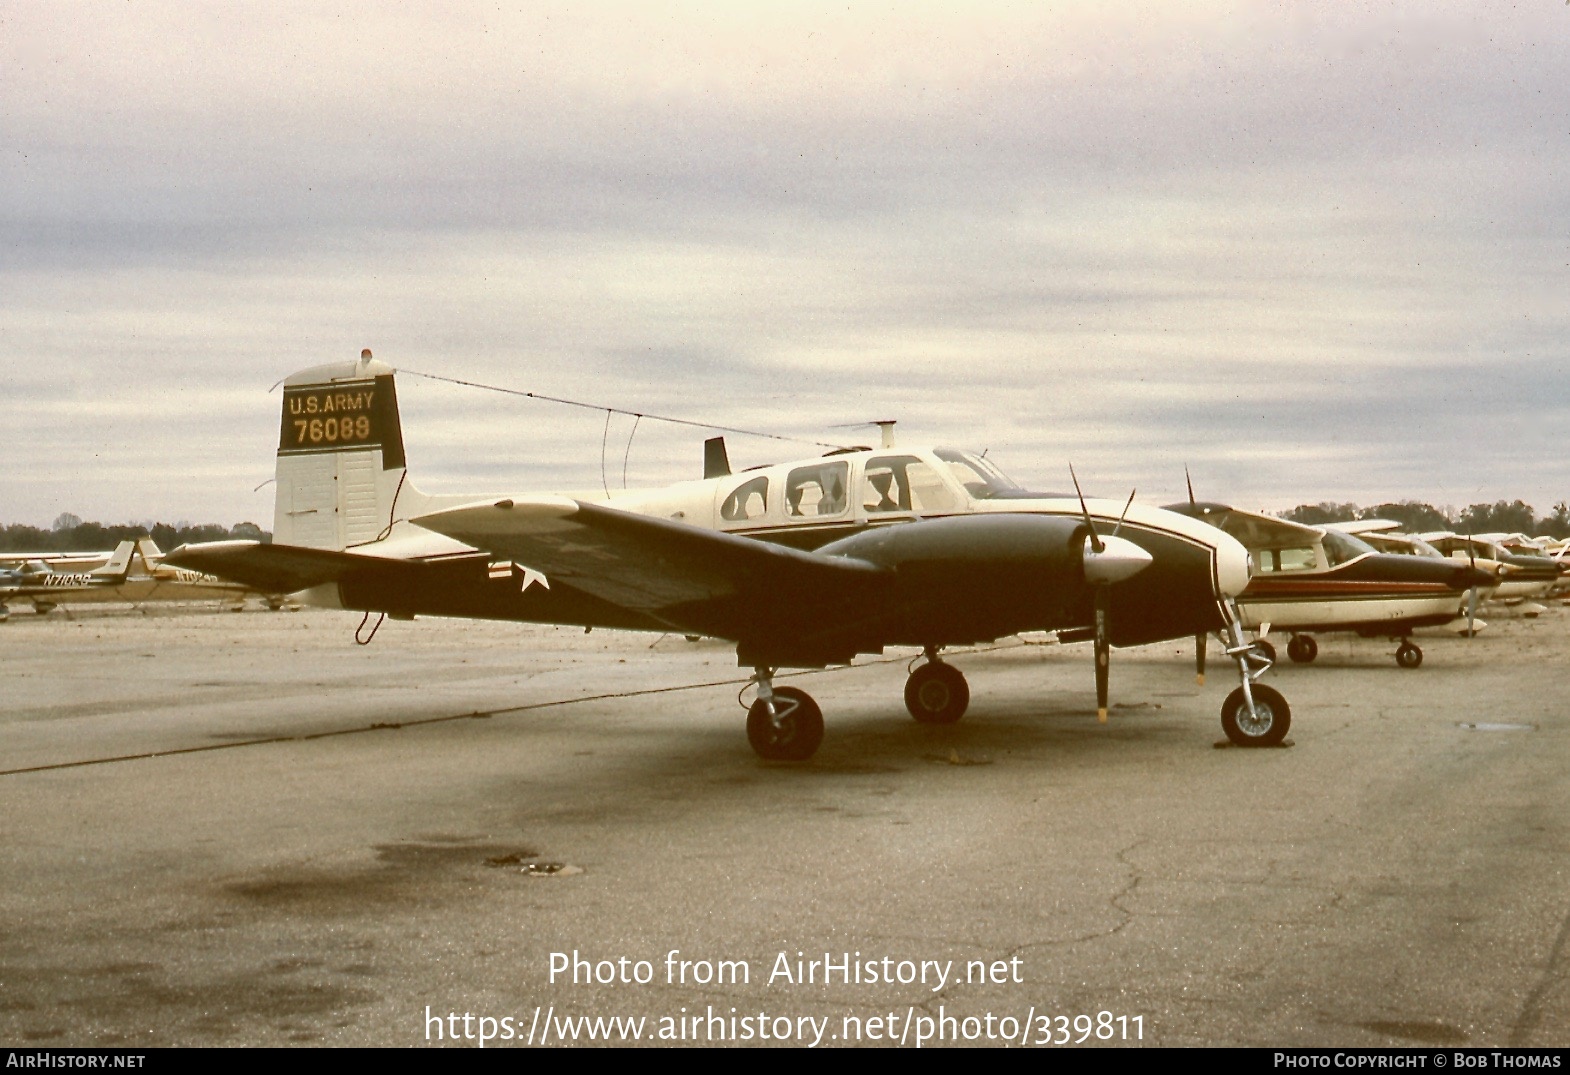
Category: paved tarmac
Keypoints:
(221, 829)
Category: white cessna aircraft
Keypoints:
(46, 585)
(1311, 579)
(805, 564)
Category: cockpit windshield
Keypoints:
(981, 479)
(1341, 547)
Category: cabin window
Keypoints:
(748, 500)
(817, 490)
(1343, 548)
(1301, 558)
(905, 483)
(980, 478)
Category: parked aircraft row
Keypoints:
(135, 571)
(1314, 579)
(814, 562)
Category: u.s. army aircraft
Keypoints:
(802, 565)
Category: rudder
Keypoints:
(340, 456)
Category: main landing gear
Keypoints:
(784, 723)
(1303, 649)
(936, 693)
(1253, 715)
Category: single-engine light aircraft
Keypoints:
(46, 587)
(1316, 579)
(1385, 535)
(801, 565)
(1522, 575)
(133, 573)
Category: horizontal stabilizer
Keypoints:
(276, 569)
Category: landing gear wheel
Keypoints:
(1302, 649)
(1268, 725)
(797, 732)
(937, 693)
(1409, 656)
(1265, 649)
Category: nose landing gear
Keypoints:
(1253, 715)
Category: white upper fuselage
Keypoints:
(810, 502)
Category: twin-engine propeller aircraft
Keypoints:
(46, 587)
(802, 565)
(1315, 579)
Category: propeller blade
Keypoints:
(1130, 504)
(1103, 654)
(1095, 539)
(1200, 646)
(1190, 482)
(1471, 613)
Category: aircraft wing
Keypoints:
(1255, 530)
(649, 564)
(1364, 526)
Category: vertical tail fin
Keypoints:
(119, 564)
(340, 456)
(150, 554)
(716, 462)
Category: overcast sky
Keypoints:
(1314, 252)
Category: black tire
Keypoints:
(1267, 729)
(798, 733)
(1408, 655)
(1262, 647)
(937, 693)
(1302, 649)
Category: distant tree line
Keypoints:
(70, 534)
(1508, 517)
